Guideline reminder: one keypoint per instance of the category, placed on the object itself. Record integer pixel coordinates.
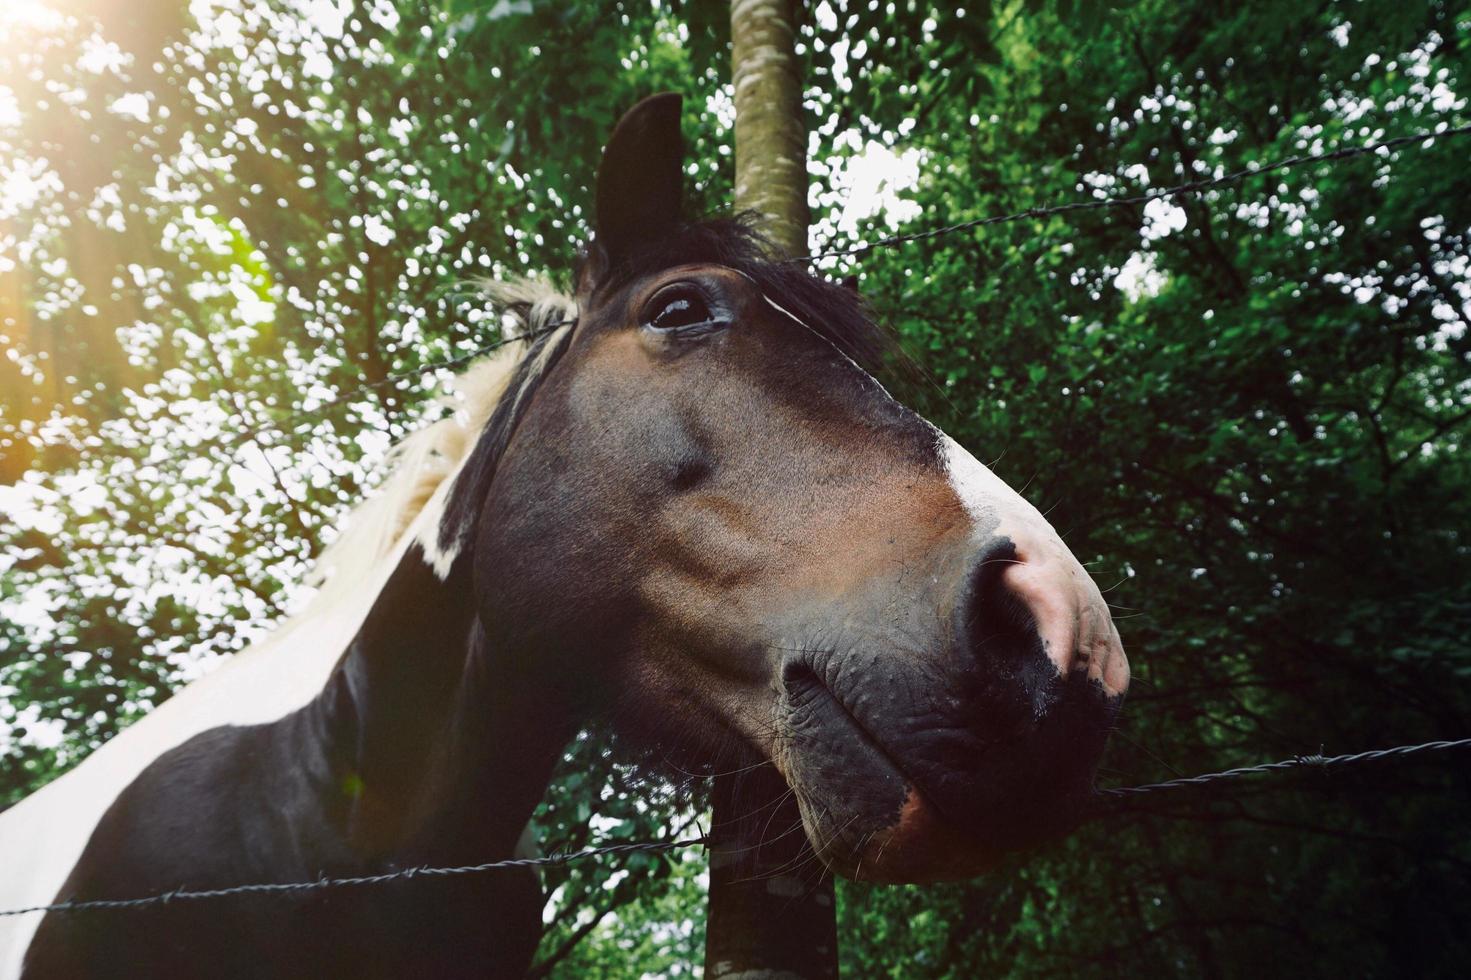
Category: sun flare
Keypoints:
(28, 13)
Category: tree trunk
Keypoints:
(772, 914)
(770, 138)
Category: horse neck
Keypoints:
(451, 745)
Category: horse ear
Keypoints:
(641, 178)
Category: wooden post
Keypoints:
(771, 913)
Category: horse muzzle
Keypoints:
(931, 760)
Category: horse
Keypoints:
(681, 501)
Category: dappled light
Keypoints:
(242, 243)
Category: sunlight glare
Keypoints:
(37, 14)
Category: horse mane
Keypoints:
(426, 461)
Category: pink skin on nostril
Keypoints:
(1053, 603)
(1068, 609)
(1071, 616)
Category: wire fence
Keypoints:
(1296, 762)
(635, 847)
(357, 881)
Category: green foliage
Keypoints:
(1246, 410)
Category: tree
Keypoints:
(770, 138)
(753, 928)
(1246, 409)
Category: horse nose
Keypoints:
(1026, 594)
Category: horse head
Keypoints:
(694, 509)
(711, 518)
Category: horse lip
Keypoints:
(913, 785)
(807, 669)
(946, 849)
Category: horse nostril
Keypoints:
(798, 676)
(1000, 628)
(1031, 605)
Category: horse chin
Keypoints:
(918, 848)
(922, 845)
(867, 820)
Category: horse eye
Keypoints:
(676, 308)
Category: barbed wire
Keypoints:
(1296, 762)
(570, 857)
(322, 884)
(1191, 187)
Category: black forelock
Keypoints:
(834, 311)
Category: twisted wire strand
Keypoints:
(570, 857)
(322, 884)
(1191, 187)
(1296, 762)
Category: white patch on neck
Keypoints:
(429, 535)
(42, 836)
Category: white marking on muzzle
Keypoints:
(986, 497)
(1072, 618)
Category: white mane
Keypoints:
(425, 461)
(42, 837)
